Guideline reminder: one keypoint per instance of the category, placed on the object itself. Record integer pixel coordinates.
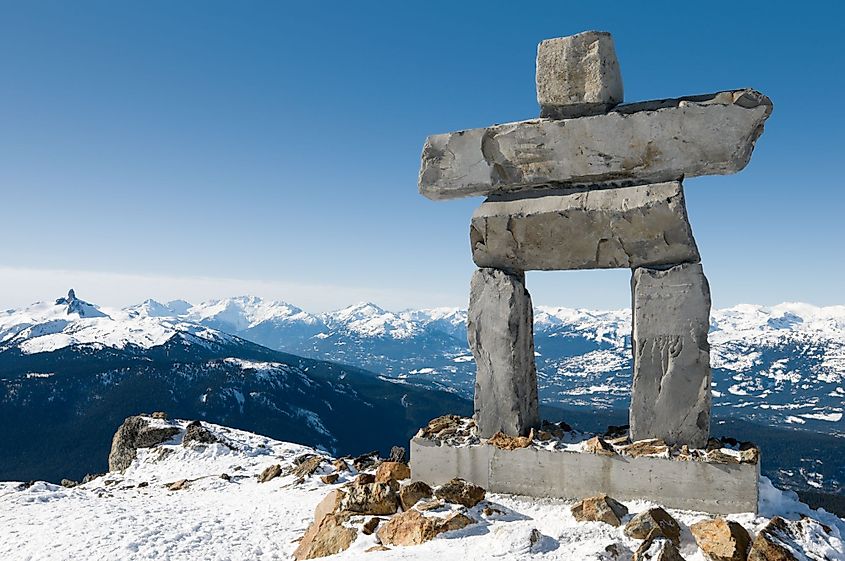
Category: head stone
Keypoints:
(578, 75)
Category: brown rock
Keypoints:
(408, 528)
(324, 537)
(397, 454)
(329, 478)
(648, 447)
(440, 423)
(178, 485)
(750, 455)
(597, 445)
(365, 479)
(600, 508)
(372, 498)
(721, 540)
(305, 466)
(378, 547)
(270, 473)
(331, 504)
(370, 526)
(719, 457)
(507, 442)
(456, 521)
(657, 548)
(159, 415)
(410, 494)
(392, 471)
(460, 492)
(340, 465)
(430, 505)
(654, 520)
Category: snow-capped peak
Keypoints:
(368, 320)
(243, 312)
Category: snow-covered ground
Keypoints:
(134, 516)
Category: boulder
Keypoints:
(578, 75)
(392, 471)
(68, 483)
(413, 528)
(506, 442)
(372, 498)
(270, 472)
(500, 328)
(326, 536)
(136, 432)
(652, 520)
(646, 447)
(781, 540)
(600, 508)
(670, 392)
(340, 465)
(397, 454)
(657, 548)
(306, 465)
(648, 142)
(331, 504)
(458, 491)
(722, 540)
(178, 485)
(365, 479)
(625, 227)
(410, 494)
(597, 445)
(329, 478)
(196, 433)
(370, 526)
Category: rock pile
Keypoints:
(593, 185)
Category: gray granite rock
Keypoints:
(578, 75)
(137, 432)
(500, 328)
(627, 227)
(641, 143)
(670, 395)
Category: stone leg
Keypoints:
(670, 396)
(500, 328)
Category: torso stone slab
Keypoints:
(627, 227)
(670, 395)
(648, 142)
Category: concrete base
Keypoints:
(689, 485)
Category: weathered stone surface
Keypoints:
(600, 508)
(325, 536)
(652, 520)
(410, 494)
(670, 394)
(370, 526)
(722, 540)
(780, 540)
(578, 75)
(136, 432)
(270, 472)
(626, 227)
(647, 447)
(329, 478)
(648, 142)
(458, 491)
(506, 442)
(597, 445)
(408, 528)
(372, 498)
(331, 504)
(500, 328)
(657, 548)
(392, 471)
(196, 433)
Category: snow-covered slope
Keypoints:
(133, 515)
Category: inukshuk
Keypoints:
(593, 184)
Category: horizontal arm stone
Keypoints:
(644, 225)
(649, 142)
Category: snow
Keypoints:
(112, 518)
(368, 320)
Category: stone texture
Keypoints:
(270, 472)
(196, 433)
(578, 75)
(780, 540)
(392, 471)
(326, 536)
(410, 494)
(626, 227)
(458, 491)
(500, 329)
(670, 393)
(652, 520)
(649, 142)
(597, 445)
(136, 432)
(372, 498)
(408, 528)
(331, 504)
(600, 508)
(506, 442)
(721, 540)
(657, 548)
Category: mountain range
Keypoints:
(269, 366)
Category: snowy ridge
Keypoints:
(133, 515)
(368, 320)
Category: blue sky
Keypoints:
(202, 149)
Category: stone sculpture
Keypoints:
(593, 184)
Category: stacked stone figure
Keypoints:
(593, 184)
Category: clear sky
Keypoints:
(197, 148)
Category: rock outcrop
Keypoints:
(460, 492)
(600, 508)
(722, 540)
(654, 521)
(137, 432)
